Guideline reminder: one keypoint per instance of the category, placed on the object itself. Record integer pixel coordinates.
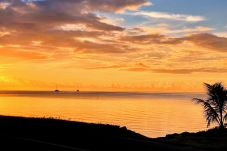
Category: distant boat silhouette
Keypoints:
(77, 91)
(56, 90)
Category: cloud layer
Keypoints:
(106, 37)
(47, 25)
(170, 16)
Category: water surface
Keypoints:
(151, 114)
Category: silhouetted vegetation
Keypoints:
(211, 140)
(215, 105)
(36, 134)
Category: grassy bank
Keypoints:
(17, 133)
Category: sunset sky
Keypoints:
(112, 45)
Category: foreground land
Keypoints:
(17, 133)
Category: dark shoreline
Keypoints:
(19, 133)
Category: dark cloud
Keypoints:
(40, 20)
(141, 67)
(144, 39)
(92, 47)
(93, 5)
(210, 41)
(205, 40)
(86, 5)
(152, 39)
(177, 71)
(189, 71)
(108, 67)
(44, 16)
(114, 5)
(62, 11)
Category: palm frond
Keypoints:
(215, 105)
(225, 117)
(210, 114)
(198, 101)
(209, 111)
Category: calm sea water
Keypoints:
(151, 114)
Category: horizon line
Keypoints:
(102, 91)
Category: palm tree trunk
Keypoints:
(221, 125)
(221, 121)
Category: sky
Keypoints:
(112, 45)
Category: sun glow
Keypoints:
(4, 79)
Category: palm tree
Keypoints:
(215, 105)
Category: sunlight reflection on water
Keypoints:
(153, 115)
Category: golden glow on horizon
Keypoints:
(4, 79)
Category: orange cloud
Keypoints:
(20, 54)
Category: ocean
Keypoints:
(150, 114)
